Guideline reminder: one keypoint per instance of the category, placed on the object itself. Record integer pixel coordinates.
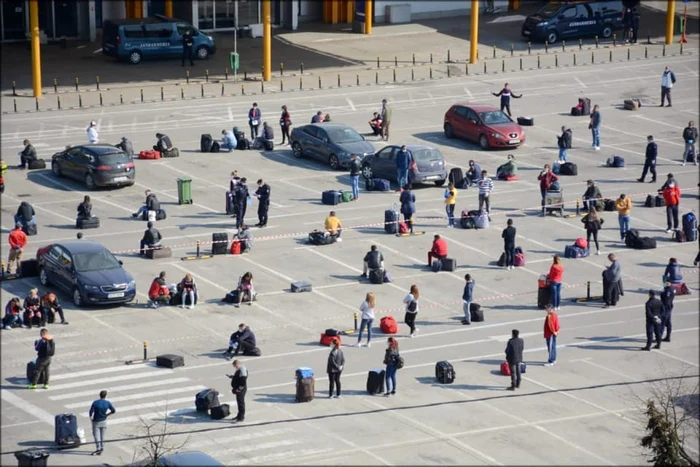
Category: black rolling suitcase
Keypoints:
(476, 313)
(91, 223)
(66, 431)
(220, 412)
(391, 220)
(36, 164)
(544, 297)
(205, 143)
(375, 382)
(219, 245)
(170, 361)
(30, 229)
(444, 372)
(456, 176)
(31, 367)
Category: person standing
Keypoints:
(45, 349)
(667, 297)
(555, 276)
(386, 119)
(355, 171)
(99, 411)
(514, 357)
(546, 179)
(593, 223)
(254, 116)
(468, 298)
(652, 152)
(551, 331)
(408, 206)
(239, 387)
(505, 94)
(187, 43)
(635, 24)
(508, 237)
(485, 185)
(690, 136)
(411, 303)
(17, 240)
(367, 316)
(392, 360)
(668, 79)
(285, 125)
(627, 24)
(263, 195)
(564, 143)
(672, 197)
(612, 277)
(624, 206)
(92, 135)
(334, 367)
(404, 159)
(450, 201)
(654, 320)
(241, 198)
(594, 126)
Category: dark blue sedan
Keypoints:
(331, 143)
(87, 271)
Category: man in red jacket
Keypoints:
(438, 251)
(672, 196)
(551, 331)
(17, 240)
(159, 292)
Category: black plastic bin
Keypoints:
(32, 458)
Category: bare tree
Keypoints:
(155, 440)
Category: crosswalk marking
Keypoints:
(238, 438)
(99, 371)
(255, 447)
(148, 405)
(112, 390)
(143, 395)
(92, 382)
(280, 455)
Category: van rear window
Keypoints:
(133, 32)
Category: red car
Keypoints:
(483, 124)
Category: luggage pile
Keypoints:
(305, 384)
(578, 250)
(654, 201)
(615, 161)
(474, 219)
(634, 240)
(328, 336)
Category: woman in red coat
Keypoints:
(556, 273)
(551, 331)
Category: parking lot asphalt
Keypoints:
(585, 410)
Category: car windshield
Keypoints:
(86, 262)
(494, 117)
(344, 135)
(113, 159)
(549, 10)
(427, 154)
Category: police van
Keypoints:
(571, 20)
(158, 37)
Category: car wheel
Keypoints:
(333, 162)
(484, 142)
(606, 32)
(448, 131)
(367, 172)
(77, 297)
(90, 182)
(203, 53)
(552, 37)
(439, 182)
(56, 169)
(297, 150)
(44, 278)
(135, 57)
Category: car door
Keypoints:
(309, 141)
(566, 22)
(471, 125)
(70, 158)
(82, 163)
(323, 144)
(386, 162)
(57, 262)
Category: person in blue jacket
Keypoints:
(408, 205)
(672, 273)
(403, 164)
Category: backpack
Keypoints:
(436, 266)
(403, 227)
(631, 237)
(649, 203)
(399, 362)
(50, 348)
(659, 201)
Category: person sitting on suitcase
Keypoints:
(228, 140)
(266, 139)
(672, 273)
(159, 291)
(246, 290)
(25, 214)
(373, 261)
(242, 340)
(151, 239)
(17, 240)
(187, 289)
(32, 309)
(438, 250)
(245, 236)
(334, 227)
(12, 318)
(27, 155)
(151, 204)
(473, 173)
(85, 208)
(376, 124)
(163, 144)
(50, 306)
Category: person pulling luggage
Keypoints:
(564, 142)
(393, 361)
(505, 94)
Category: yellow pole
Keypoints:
(368, 17)
(169, 8)
(267, 40)
(670, 16)
(474, 35)
(36, 52)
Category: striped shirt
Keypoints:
(485, 186)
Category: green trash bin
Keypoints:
(184, 190)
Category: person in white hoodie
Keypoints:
(367, 310)
(667, 81)
(93, 137)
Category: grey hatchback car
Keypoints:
(96, 165)
(331, 143)
(430, 165)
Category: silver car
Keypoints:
(331, 143)
(430, 165)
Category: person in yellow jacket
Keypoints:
(334, 226)
(450, 201)
(3, 171)
(623, 205)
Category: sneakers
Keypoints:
(31, 386)
(363, 276)
(511, 267)
(46, 386)
(597, 252)
(550, 363)
(465, 322)
(412, 336)
(136, 214)
(338, 239)
(669, 230)
(357, 344)
(640, 180)
(597, 148)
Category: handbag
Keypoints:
(399, 362)
(412, 306)
(255, 122)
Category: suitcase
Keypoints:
(659, 201)
(519, 260)
(66, 431)
(31, 366)
(30, 229)
(230, 207)
(523, 367)
(231, 297)
(609, 205)
(466, 221)
(149, 154)
(505, 369)
(375, 382)
(568, 168)
(575, 112)
(30, 268)
(391, 220)
(215, 147)
(526, 121)
(170, 360)
(381, 184)
(436, 265)
(161, 215)
(481, 220)
(631, 238)
(645, 243)
(219, 243)
(388, 325)
(444, 372)
(477, 314)
(220, 412)
(205, 143)
(301, 286)
(206, 399)
(456, 176)
(449, 264)
(690, 155)
(159, 253)
(689, 223)
(331, 197)
(679, 236)
(174, 152)
(91, 223)
(544, 297)
(630, 104)
(502, 260)
(586, 108)
(36, 164)
(376, 276)
(305, 390)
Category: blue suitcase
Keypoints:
(331, 197)
(381, 184)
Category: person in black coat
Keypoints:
(635, 24)
(85, 208)
(508, 236)
(667, 296)
(514, 357)
(655, 313)
(652, 152)
(164, 144)
(25, 214)
(151, 204)
(126, 146)
(627, 24)
(239, 387)
(27, 155)
(408, 206)
(242, 340)
(263, 195)
(187, 43)
(240, 197)
(151, 238)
